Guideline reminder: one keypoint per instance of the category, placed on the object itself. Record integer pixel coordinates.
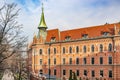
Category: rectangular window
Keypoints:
(77, 60)
(64, 72)
(48, 50)
(110, 73)
(70, 61)
(40, 61)
(77, 72)
(92, 60)
(70, 72)
(49, 71)
(85, 72)
(63, 60)
(110, 60)
(55, 50)
(55, 71)
(101, 73)
(93, 73)
(54, 60)
(101, 60)
(84, 61)
(48, 61)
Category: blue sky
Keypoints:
(66, 14)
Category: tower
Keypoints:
(42, 27)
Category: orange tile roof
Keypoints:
(94, 31)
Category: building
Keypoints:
(91, 52)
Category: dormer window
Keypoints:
(53, 39)
(85, 36)
(67, 38)
(105, 33)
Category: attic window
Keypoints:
(85, 36)
(105, 33)
(67, 38)
(53, 39)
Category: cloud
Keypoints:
(67, 14)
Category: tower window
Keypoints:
(92, 48)
(70, 49)
(110, 47)
(40, 51)
(84, 49)
(53, 39)
(101, 48)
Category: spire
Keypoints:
(42, 23)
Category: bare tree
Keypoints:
(11, 38)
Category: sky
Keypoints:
(65, 14)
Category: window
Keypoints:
(92, 60)
(55, 71)
(93, 73)
(54, 50)
(40, 51)
(41, 71)
(48, 50)
(64, 72)
(77, 72)
(63, 60)
(105, 33)
(110, 60)
(48, 61)
(101, 48)
(54, 60)
(63, 49)
(40, 61)
(85, 36)
(92, 48)
(85, 72)
(70, 71)
(70, 49)
(101, 73)
(110, 73)
(101, 60)
(84, 60)
(84, 49)
(70, 61)
(110, 47)
(53, 39)
(77, 60)
(49, 71)
(67, 38)
(77, 49)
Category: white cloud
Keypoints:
(69, 14)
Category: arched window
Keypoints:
(54, 60)
(77, 49)
(54, 50)
(92, 48)
(41, 71)
(84, 49)
(101, 48)
(63, 49)
(70, 49)
(110, 47)
(110, 60)
(77, 60)
(40, 51)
